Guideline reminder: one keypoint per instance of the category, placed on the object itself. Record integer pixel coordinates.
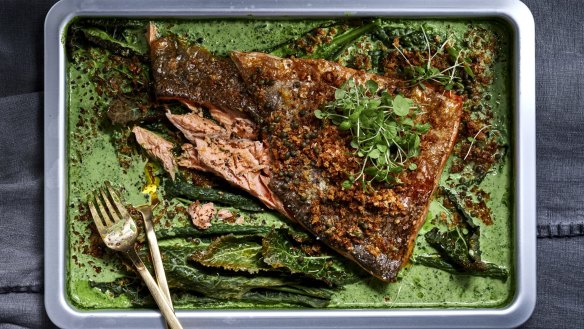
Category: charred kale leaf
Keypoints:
(182, 189)
(280, 252)
(460, 253)
(124, 39)
(235, 253)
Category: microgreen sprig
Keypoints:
(383, 127)
(446, 77)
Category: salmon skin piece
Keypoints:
(192, 75)
(310, 159)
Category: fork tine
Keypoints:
(96, 218)
(105, 217)
(116, 198)
(112, 210)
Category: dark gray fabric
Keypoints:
(21, 212)
(560, 282)
(21, 193)
(560, 91)
(23, 310)
(560, 163)
(21, 45)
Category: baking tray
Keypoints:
(520, 23)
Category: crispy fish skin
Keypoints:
(310, 158)
(192, 74)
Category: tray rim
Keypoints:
(513, 12)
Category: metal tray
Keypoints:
(521, 25)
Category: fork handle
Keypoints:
(163, 304)
(155, 253)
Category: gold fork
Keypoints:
(146, 212)
(120, 234)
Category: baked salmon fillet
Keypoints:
(377, 227)
(300, 160)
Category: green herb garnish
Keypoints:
(383, 127)
(448, 77)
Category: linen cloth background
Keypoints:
(560, 163)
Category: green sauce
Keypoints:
(92, 159)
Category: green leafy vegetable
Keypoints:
(280, 252)
(489, 270)
(251, 225)
(460, 248)
(297, 235)
(265, 286)
(182, 189)
(139, 295)
(123, 38)
(275, 252)
(295, 297)
(325, 42)
(214, 229)
(234, 253)
(121, 47)
(186, 275)
(383, 127)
